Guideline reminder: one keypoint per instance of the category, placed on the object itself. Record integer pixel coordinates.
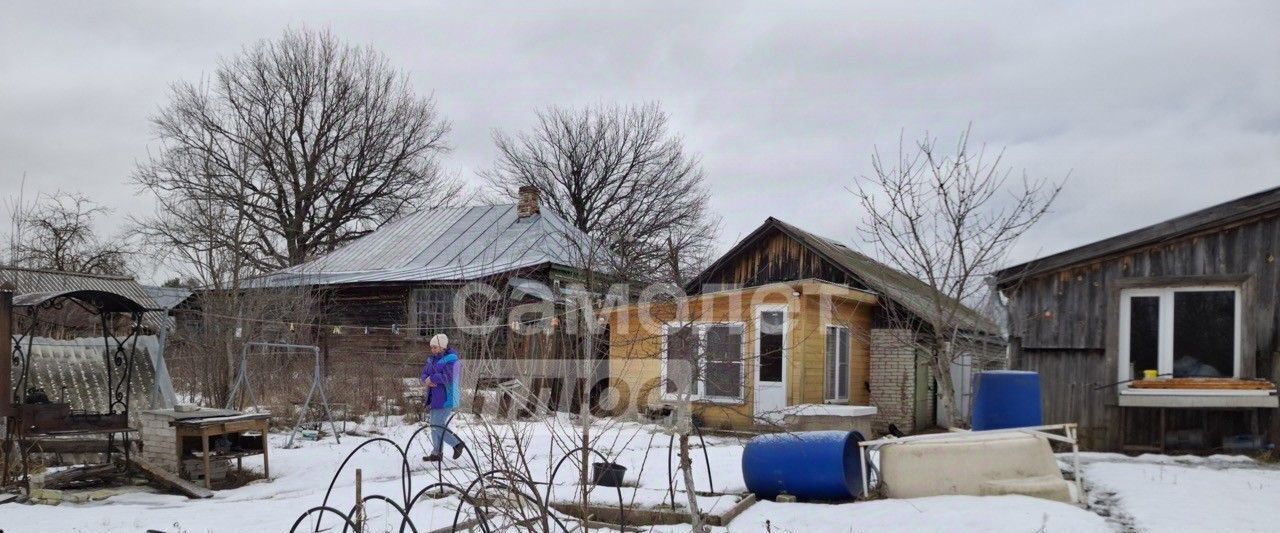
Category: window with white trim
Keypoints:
(837, 368)
(1180, 331)
(706, 357)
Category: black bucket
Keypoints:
(608, 474)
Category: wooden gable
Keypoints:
(772, 256)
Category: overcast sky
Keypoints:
(1153, 109)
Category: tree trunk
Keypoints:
(686, 466)
(946, 390)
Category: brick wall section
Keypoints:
(159, 447)
(893, 372)
(159, 444)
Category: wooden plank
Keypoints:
(73, 445)
(170, 480)
(241, 426)
(609, 513)
(1204, 383)
(724, 518)
(57, 480)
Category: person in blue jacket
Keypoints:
(440, 375)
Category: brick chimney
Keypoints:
(528, 205)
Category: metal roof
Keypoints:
(1254, 205)
(908, 291)
(105, 301)
(443, 244)
(167, 297)
(29, 281)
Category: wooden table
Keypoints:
(204, 428)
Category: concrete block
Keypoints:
(50, 495)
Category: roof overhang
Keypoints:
(104, 301)
(1234, 212)
(801, 288)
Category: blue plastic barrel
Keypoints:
(810, 465)
(1006, 399)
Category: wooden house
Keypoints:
(786, 322)
(1191, 297)
(382, 295)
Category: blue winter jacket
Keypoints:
(444, 371)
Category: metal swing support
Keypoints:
(317, 385)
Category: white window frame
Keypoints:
(830, 396)
(700, 387)
(760, 310)
(1164, 352)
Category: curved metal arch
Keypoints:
(404, 515)
(408, 444)
(321, 510)
(103, 301)
(551, 482)
(405, 480)
(462, 494)
(533, 489)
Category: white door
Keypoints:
(771, 362)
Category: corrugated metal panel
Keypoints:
(446, 244)
(28, 281)
(75, 371)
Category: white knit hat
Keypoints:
(440, 340)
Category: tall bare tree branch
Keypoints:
(619, 175)
(294, 147)
(948, 218)
(57, 233)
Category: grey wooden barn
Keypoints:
(1192, 297)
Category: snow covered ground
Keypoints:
(1163, 493)
(1147, 493)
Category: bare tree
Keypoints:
(949, 219)
(293, 147)
(213, 329)
(620, 176)
(56, 232)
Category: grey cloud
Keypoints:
(1155, 108)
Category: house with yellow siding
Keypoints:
(784, 330)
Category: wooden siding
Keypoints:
(1065, 321)
(778, 258)
(810, 350)
(374, 305)
(635, 347)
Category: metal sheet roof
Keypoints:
(906, 290)
(443, 244)
(1257, 204)
(29, 281)
(167, 297)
